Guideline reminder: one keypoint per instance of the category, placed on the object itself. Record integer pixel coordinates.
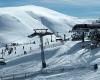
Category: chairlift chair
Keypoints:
(2, 61)
(59, 39)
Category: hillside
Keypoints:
(66, 60)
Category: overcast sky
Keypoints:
(80, 8)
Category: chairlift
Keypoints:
(59, 39)
(2, 61)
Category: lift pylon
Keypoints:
(41, 33)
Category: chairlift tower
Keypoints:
(41, 33)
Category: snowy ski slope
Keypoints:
(66, 61)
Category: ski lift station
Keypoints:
(86, 27)
(82, 30)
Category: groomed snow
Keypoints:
(66, 61)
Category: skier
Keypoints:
(23, 47)
(95, 67)
(25, 52)
(30, 48)
(64, 37)
(34, 42)
(14, 48)
(2, 53)
(48, 42)
(10, 51)
(6, 47)
(15, 52)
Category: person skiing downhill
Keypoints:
(95, 67)
(23, 47)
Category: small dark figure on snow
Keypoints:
(15, 52)
(25, 52)
(30, 48)
(10, 51)
(34, 42)
(95, 66)
(14, 48)
(2, 51)
(23, 47)
(6, 47)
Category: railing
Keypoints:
(22, 76)
(19, 76)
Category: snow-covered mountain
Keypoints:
(18, 22)
(64, 61)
